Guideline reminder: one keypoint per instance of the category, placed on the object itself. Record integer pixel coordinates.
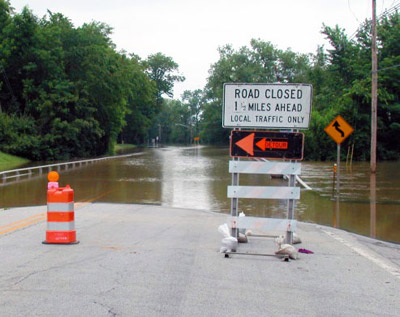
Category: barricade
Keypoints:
(60, 214)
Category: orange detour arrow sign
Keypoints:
(262, 144)
(339, 129)
(267, 144)
(247, 144)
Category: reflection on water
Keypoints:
(185, 181)
(369, 204)
(198, 177)
(372, 204)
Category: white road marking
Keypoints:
(378, 260)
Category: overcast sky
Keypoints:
(191, 31)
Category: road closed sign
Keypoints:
(269, 106)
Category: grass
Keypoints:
(119, 147)
(8, 162)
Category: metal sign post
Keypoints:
(338, 130)
(338, 170)
(290, 214)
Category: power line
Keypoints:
(389, 67)
(7, 81)
(13, 98)
(383, 14)
(352, 12)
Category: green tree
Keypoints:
(141, 103)
(162, 70)
(174, 120)
(194, 101)
(259, 63)
(69, 86)
(349, 85)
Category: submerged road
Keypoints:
(143, 260)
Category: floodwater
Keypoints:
(197, 177)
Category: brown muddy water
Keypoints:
(197, 177)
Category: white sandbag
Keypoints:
(282, 239)
(229, 244)
(296, 238)
(224, 230)
(279, 241)
(242, 230)
(288, 249)
(242, 238)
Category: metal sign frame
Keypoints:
(290, 192)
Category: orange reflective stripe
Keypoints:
(60, 195)
(61, 216)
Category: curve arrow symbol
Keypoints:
(337, 125)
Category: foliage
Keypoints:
(174, 121)
(260, 63)
(66, 92)
(194, 102)
(161, 69)
(18, 136)
(341, 79)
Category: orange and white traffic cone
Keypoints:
(60, 213)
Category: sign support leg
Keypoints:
(290, 213)
(235, 202)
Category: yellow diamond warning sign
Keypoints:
(339, 129)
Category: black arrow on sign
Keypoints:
(337, 125)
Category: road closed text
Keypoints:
(269, 93)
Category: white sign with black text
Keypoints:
(275, 106)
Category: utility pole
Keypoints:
(374, 91)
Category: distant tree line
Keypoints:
(341, 79)
(66, 92)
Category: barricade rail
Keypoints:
(298, 179)
(38, 170)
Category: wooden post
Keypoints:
(374, 91)
(372, 203)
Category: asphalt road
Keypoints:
(141, 260)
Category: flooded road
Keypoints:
(198, 178)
